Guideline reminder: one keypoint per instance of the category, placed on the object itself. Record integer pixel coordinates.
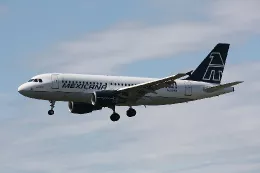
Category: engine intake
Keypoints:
(82, 108)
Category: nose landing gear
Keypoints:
(51, 111)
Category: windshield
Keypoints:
(35, 80)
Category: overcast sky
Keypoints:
(150, 38)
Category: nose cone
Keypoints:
(22, 89)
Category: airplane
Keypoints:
(88, 93)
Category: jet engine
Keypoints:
(104, 98)
(82, 108)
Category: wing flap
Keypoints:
(155, 85)
(222, 86)
(133, 93)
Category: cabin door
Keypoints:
(188, 88)
(55, 81)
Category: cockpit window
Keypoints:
(35, 80)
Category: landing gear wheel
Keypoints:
(115, 117)
(51, 112)
(131, 112)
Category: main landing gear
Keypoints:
(115, 116)
(51, 111)
(131, 112)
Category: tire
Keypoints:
(131, 112)
(51, 112)
(115, 117)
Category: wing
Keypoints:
(133, 93)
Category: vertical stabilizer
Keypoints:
(212, 67)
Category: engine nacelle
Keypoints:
(82, 108)
(104, 98)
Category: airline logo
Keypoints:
(215, 68)
(85, 86)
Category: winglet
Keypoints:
(189, 73)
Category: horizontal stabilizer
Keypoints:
(220, 87)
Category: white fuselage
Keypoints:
(79, 88)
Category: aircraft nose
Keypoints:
(22, 89)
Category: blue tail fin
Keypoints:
(212, 67)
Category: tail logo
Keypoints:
(215, 68)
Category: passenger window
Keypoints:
(40, 80)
